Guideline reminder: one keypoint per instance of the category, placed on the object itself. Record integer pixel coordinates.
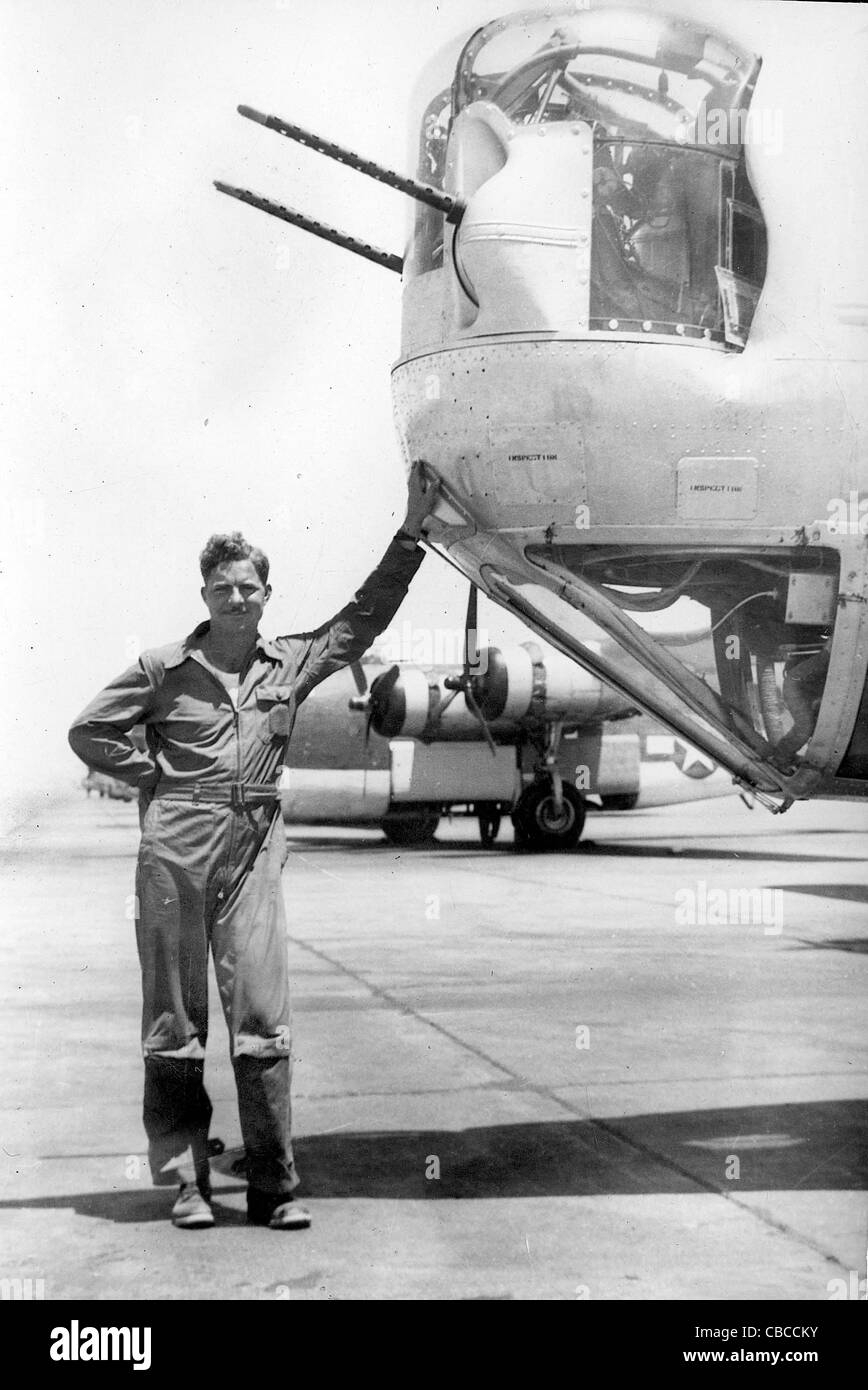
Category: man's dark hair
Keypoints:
(222, 549)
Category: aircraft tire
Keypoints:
(539, 827)
(411, 830)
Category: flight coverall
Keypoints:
(209, 867)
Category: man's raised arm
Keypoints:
(349, 634)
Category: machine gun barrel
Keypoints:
(321, 229)
(422, 192)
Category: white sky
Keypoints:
(177, 363)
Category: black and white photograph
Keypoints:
(435, 581)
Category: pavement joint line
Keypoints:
(303, 857)
(633, 1081)
(532, 882)
(645, 900)
(563, 887)
(843, 1148)
(607, 1127)
(517, 1086)
(396, 1003)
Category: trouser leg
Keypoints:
(249, 945)
(172, 881)
(177, 1117)
(264, 1108)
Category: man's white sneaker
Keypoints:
(191, 1212)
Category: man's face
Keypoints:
(235, 597)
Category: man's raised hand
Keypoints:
(423, 489)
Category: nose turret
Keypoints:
(522, 250)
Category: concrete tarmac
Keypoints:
(609, 1075)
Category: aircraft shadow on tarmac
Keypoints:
(856, 945)
(812, 1146)
(821, 1145)
(847, 892)
(632, 849)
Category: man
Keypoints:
(218, 710)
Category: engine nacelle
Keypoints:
(518, 689)
(404, 703)
(522, 684)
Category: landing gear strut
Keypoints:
(489, 824)
(550, 813)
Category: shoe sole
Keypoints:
(298, 1222)
(192, 1223)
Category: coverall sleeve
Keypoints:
(350, 632)
(100, 734)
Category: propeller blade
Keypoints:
(477, 713)
(444, 704)
(471, 626)
(359, 677)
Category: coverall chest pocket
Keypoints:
(275, 712)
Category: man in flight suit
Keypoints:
(218, 710)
